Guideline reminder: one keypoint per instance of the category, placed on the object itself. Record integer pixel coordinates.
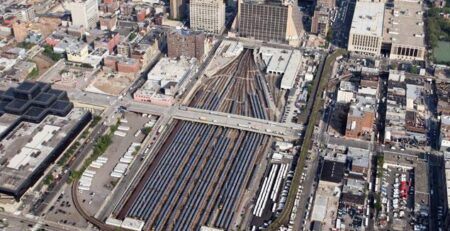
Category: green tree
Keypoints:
(329, 37)
(48, 179)
(34, 73)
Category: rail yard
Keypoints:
(238, 88)
(197, 178)
(203, 175)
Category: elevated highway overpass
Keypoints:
(287, 131)
(283, 130)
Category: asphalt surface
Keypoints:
(80, 155)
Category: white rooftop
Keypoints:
(288, 80)
(169, 69)
(132, 224)
(368, 19)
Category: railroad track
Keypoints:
(238, 88)
(201, 169)
(91, 219)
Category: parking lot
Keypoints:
(351, 216)
(63, 211)
(102, 181)
(397, 199)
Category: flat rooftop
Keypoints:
(28, 147)
(170, 70)
(404, 24)
(368, 19)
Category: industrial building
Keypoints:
(270, 21)
(328, 193)
(207, 15)
(361, 118)
(84, 12)
(366, 33)
(282, 62)
(37, 124)
(362, 114)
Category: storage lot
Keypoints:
(102, 181)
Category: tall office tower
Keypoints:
(84, 12)
(177, 9)
(207, 15)
(270, 21)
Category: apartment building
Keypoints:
(320, 25)
(207, 15)
(84, 13)
(185, 43)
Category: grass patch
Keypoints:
(25, 45)
(48, 179)
(307, 142)
(34, 73)
(95, 121)
(69, 153)
(380, 163)
(101, 145)
(442, 52)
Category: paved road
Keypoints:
(284, 130)
(30, 223)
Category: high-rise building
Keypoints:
(177, 9)
(270, 21)
(185, 43)
(394, 32)
(84, 12)
(320, 23)
(207, 15)
(22, 12)
(366, 33)
(20, 30)
(330, 4)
